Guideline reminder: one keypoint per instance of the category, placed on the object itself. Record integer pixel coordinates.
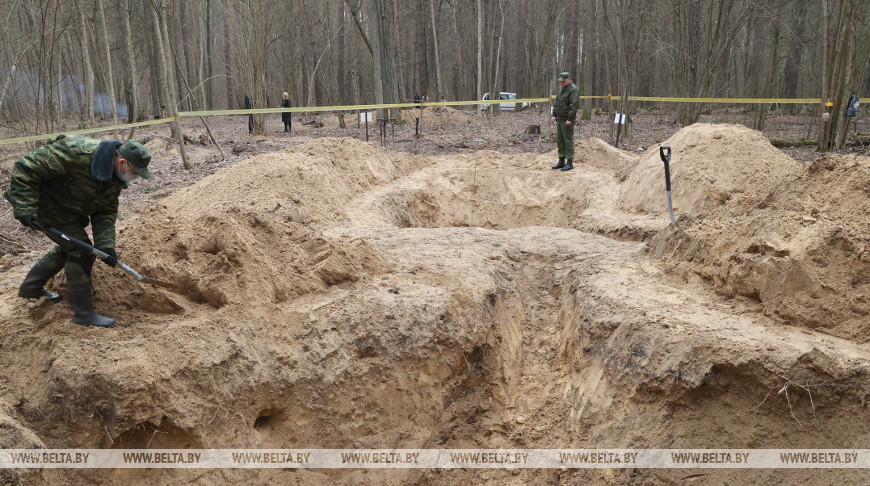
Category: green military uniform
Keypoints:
(68, 183)
(54, 183)
(564, 109)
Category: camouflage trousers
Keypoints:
(66, 256)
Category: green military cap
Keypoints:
(138, 156)
(564, 76)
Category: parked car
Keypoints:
(504, 106)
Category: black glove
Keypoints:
(112, 259)
(28, 220)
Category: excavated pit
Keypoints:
(337, 295)
(465, 197)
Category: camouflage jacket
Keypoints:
(567, 103)
(54, 183)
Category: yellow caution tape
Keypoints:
(86, 131)
(305, 109)
(722, 100)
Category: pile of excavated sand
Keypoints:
(431, 117)
(437, 116)
(597, 153)
(803, 249)
(244, 235)
(710, 165)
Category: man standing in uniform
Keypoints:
(67, 183)
(565, 117)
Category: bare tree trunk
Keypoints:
(110, 83)
(837, 73)
(587, 67)
(438, 83)
(164, 82)
(59, 89)
(185, 23)
(495, 93)
(478, 93)
(458, 79)
(228, 58)
(89, 68)
(209, 60)
(397, 60)
(355, 6)
(340, 78)
(134, 108)
(386, 90)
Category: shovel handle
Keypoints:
(84, 247)
(81, 245)
(666, 158)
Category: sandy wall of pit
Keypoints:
(710, 165)
(801, 250)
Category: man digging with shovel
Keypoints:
(67, 183)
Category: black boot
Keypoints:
(568, 166)
(33, 286)
(560, 164)
(82, 302)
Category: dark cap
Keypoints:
(138, 156)
(564, 76)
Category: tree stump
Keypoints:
(533, 130)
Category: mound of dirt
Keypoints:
(710, 165)
(803, 250)
(243, 235)
(437, 116)
(599, 154)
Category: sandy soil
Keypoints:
(337, 294)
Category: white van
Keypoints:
(503, 106)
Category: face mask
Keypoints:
(125, 176)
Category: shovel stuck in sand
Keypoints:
(81, 245)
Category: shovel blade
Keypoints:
(159, 283)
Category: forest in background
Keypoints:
(123, 59)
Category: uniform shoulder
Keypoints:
(81, 143)
(71, 147)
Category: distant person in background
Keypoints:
(565, 116)
(416, 97)
(286, 117)
(248, 106)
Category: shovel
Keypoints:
(666, 158)
(86, 248)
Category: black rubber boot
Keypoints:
(81, 300)
(33, 286)
(560, 164)
(568, 166)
